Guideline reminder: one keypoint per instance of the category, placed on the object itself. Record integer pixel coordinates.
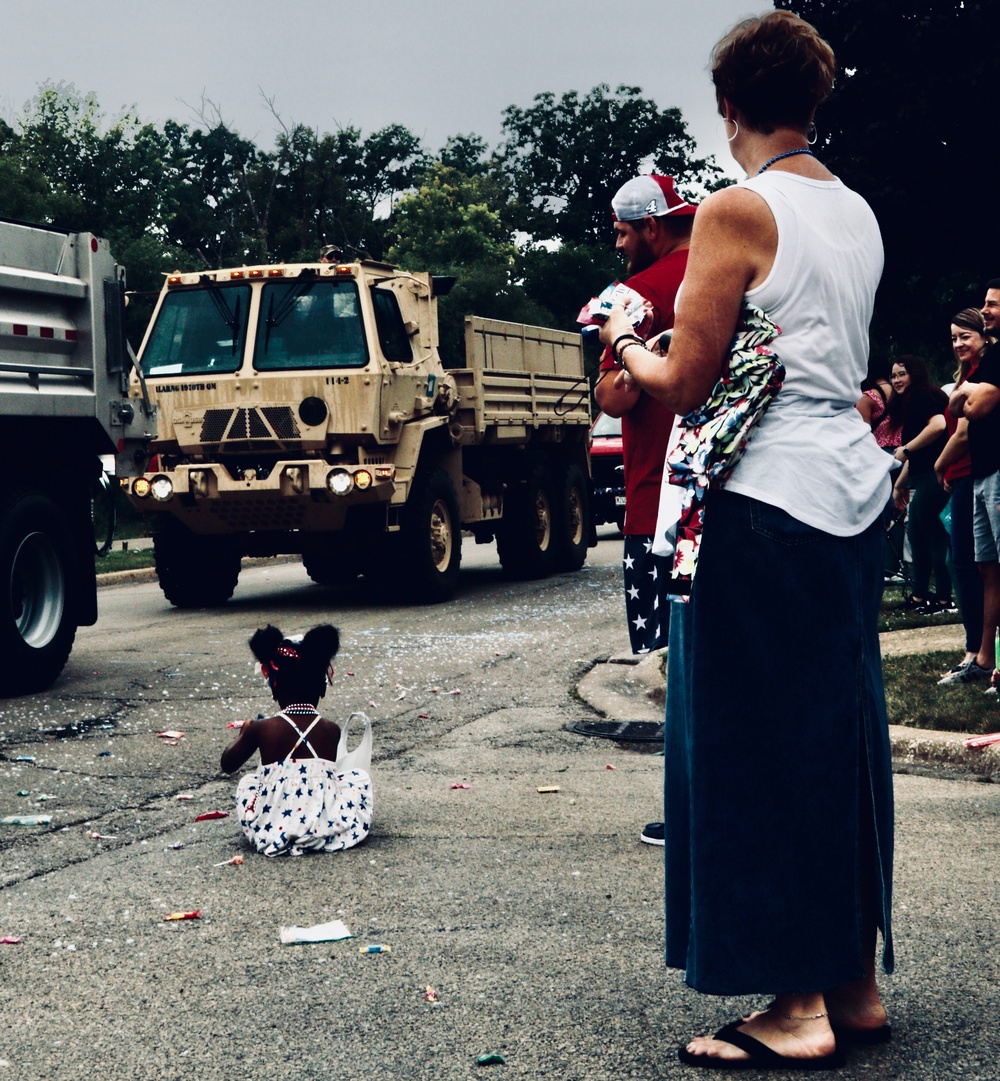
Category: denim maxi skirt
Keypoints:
(778, 776)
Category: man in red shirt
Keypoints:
(652, 226)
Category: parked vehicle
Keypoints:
(64, 366)
(304, 408)
(607, 492)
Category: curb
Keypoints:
(625, 687)
(148, 574)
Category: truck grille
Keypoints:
(260, 514)
(274, 424)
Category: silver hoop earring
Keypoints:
(815, 135)
(730, 138)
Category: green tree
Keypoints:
(566, 157)
(563, 279)
(908, 127)
(66, 164)
(468, 154)
(315, 201)
(452, 225)
(392, 161)
(22, 191)
(212, 207)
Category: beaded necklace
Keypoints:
(787, 154)
(301, 709)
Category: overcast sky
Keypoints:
(439, 67)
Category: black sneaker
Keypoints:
(652, 834)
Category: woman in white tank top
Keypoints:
(778, 785)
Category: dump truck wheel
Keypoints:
(526, 537)
(429, 544)
(571, 519)
(37, 614)
(193, 571)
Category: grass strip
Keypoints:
(914, 698)
(124, 561)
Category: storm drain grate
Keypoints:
(623, 731)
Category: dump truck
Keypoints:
(65, 405)
(305, 409)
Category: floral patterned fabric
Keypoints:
(712, 438)
(304, 805)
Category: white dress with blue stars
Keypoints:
(291, 807)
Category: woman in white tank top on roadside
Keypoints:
(778, 785)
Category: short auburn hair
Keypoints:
(774, 70)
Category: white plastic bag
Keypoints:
(361, 757)
(671, 496)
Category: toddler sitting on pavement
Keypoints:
(298, 801)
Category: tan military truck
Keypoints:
(304, 408)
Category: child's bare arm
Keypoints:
(241, 748)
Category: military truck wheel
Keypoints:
(526, 537)
(194, 572)
(571, 519)
(328, 564)
(37, 617)
(429, 544)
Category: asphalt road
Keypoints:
(536, 918)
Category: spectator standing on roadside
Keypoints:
(778, 772)
(977, 400)
(873, 405)
(954, 473)
(920, 407)
(652, 225)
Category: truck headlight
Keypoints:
(161, 488)
(140, 487)
(339, 481)
(362, 479)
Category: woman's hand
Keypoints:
(899, 454)
(900, 497)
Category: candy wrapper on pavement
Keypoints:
(638, 310)
(713, 437)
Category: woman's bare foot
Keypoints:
(786, 1027)
(856, 1007)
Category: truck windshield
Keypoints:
(198, 331)
(310, 324)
